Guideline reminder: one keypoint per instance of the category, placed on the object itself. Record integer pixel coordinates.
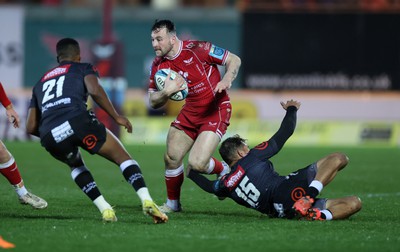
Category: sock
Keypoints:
(20, 189)
(101, 203)
(314, 188)
(326, 214)
(10, 171)
(144, 194)
(173, 204)
(215, 166)
(84, 179)
(132, 173)
(174, 181)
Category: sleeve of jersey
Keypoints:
(217, 55)
(3, 97)
(90, 69)
(204, 183)
(152, 86)
(271, 147)
(33, 103)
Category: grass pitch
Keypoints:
(71, 222)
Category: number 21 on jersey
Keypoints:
(48, 88)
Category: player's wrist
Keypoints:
(8, 107)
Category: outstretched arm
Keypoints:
(288, 124)
(204, 183)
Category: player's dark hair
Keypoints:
(229, 146)
(67, 48)
(164, 23)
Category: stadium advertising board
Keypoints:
(321, 51)
(11, 46)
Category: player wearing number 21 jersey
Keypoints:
(58, 103)
(58, 115)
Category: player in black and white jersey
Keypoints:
(58, 114)
(254, 183)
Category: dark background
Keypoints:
(352, 44)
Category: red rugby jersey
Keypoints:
(197, 62)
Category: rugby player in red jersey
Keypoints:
(205, 116)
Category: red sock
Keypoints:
(218, 167)
(174, 181)
(11, 173)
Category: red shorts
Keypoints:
(194, 123)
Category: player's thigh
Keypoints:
(202, 150)
(66, 151)
(178, 144)
(348, 202)
(113, 149)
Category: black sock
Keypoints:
(312, 192)
(134, 176)
(86, 182)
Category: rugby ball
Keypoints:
(159, 79)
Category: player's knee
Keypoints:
(198, 166)
(341, 159)
(356, 203)
(170, 161)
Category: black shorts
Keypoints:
(292, 189)
(84, 131)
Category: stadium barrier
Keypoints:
(153, 130)
(325, 118)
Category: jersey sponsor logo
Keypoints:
(56, 103)
(90, 141)
(261, 146)
(62, 132)
(297, 193)
(56, 72)
(233, 180)
(217, 52)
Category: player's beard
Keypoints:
(165, 52)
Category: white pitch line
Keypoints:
(376, 195)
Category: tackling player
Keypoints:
(254, 183)
(205, 116)
(8, 166)
(58, 115)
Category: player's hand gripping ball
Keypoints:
(159, 79)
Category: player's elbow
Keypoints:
(235, 60)
(155, 105)
(32, 129)
(156, 101)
